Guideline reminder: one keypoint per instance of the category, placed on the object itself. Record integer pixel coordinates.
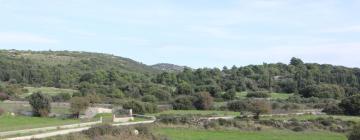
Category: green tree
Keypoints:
(78, 105)
(40, 103)
(351, 105)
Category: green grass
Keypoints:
(47, 90)
(312, 117)
(196, 134)
(8, 123)
(274, 96)
(201, 112)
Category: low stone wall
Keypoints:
(122, 119)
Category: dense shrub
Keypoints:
(204, 101)
(183, 103)
(298, 129)
(323, 91)
(258, 94)
(355, 133)
(333, 109)
(3, 96)
(351, 105)
(41, 104)
(62, 97)
(230, 94)
(140, 107)
(149, 98)
(255, 106)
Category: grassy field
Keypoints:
(12, 107)
(195, 134)
(274, 96)
(47, 90)
(311, 117)
(201, 112)
(8, 123)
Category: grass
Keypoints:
(13, 107)
(274, 96)
(199, 134)
(312, 117)
(201, 112)
(8, 123)
(47, 90)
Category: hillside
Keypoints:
(48, 68)
(168, 67)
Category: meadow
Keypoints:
(47, 90)
(201, 134)
(8, 123)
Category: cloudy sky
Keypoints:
(196, 33)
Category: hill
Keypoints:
(66, 68)
(168, 67)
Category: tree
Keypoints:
(78, 105)
(184, 89)
(296, 61)
(204, 101)
(259, 107)
(351, 105)
(355, 133)
(40, 103)
(230, 94)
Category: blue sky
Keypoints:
(196, 33)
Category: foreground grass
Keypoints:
(47, 90)
(201, 112)
(196, 134)
(8, 123)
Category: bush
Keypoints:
(230, 94)
(3, 96)
(323, 91)
(298, 129)
(1, 111)
(149, 98)
(62, 97)
(258, 94)
(355, 133)
(351, 105)
(41, 104)
(183, 103)
(204, 101)
(140, 107)
(333, 109)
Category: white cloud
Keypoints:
(19, 37)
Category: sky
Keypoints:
(195, 33)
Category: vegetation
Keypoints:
(202, 134)
(41, 104)
(9, 123)
(355, 133)
(78, 105)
